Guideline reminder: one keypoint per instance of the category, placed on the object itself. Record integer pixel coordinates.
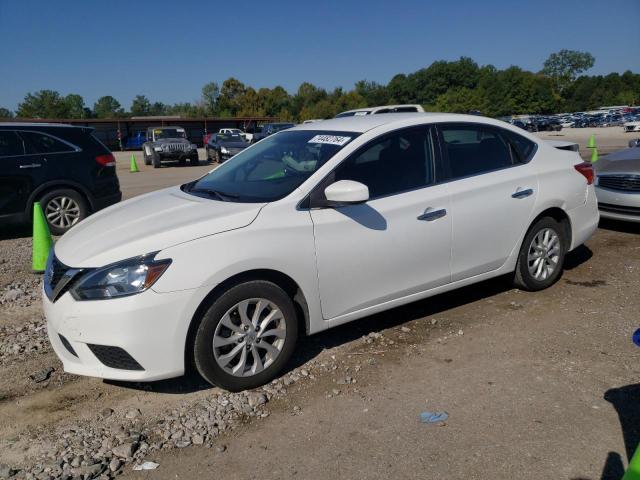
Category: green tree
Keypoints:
(5, 113)
(43, 104)
(140, 106)
(210, 95)
(107, 107)
(230, 93)
(75, 105)
(564, 66)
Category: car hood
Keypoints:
(622, 161)
(234, 144)
(149, 223)
(172, 140)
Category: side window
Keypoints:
(36, 142)
(523, 148)
(10, 144)
(474, 149)
(395, 163)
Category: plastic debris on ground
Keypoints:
(147, 466)
(433, 417)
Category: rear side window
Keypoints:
(10, 144)
(474, 149)
(36, 142)
(523, 148)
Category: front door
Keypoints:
(396, 244)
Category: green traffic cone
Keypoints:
(134, 165)
(592, 141)
(594, 155)
(633, 472)
(41, 240)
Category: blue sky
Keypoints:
(168, 49)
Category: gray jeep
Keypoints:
(168, 143)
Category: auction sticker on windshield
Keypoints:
(330, 139)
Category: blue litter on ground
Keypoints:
(636, 337)
(433, 417)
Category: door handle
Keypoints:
(432, 215)
(31, 165)
(522, 193)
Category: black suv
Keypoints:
(68, 170)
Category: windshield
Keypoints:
(272, 168)
(230, 138)
(276, 127)
(169, 133)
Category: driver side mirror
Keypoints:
(346, 192)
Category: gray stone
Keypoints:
(126, 450)
(115, 464)
(42, 375)
(6, 471)
(256, 399)
(131, 414)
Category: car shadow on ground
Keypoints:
(310, 347)
(626, 401)
(10, 232)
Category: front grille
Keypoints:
(59, 278)
(114, 357)
(623, 183)
(175, 147)
(67, 345)
(624, 210)
(58, 269)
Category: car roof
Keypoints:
(165, 127)
(364, 123)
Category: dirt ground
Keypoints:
(536, 385)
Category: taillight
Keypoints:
(586, 170)
(106, 160)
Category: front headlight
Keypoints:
(224, 150)
(194, 146)
(128, 277)
(157, 149)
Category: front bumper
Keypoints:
(150, 327)
(177, 154)
(618, 205)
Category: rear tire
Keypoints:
(63, 208)
(231, 361)
(541, 257)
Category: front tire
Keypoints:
(246, 337)
(155, 160)
(541, 257)
(63, 209)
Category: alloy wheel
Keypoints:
(249, 337)
(62, 212)
(544, 254)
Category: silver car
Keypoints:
(618, 185)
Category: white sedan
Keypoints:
(310, 228)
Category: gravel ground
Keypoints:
(54, 425)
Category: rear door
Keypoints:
(493, 190)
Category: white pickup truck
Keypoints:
(247, 136)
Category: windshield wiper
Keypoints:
(214, 193)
